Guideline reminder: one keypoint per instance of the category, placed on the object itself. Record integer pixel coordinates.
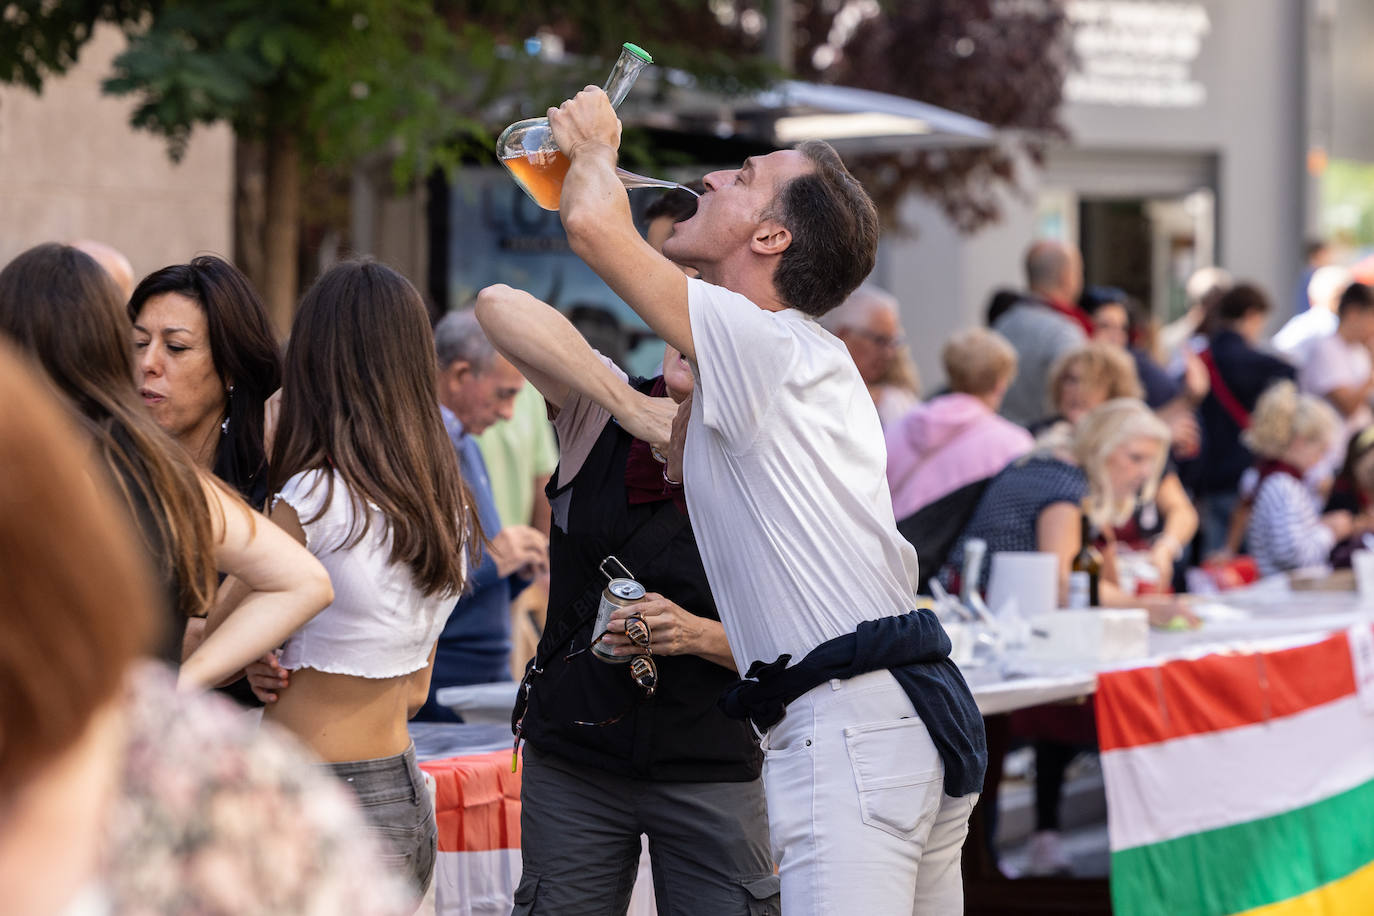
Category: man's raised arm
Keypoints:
(548, 350)
(596, 215)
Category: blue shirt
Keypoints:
(475, 645)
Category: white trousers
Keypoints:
(859, 818)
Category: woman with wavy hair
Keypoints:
(59, 305)
(207, 364)
(365, 475)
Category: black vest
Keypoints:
(680, 735)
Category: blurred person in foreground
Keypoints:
(783, 470)
(61, 308)
(207, 365)
(1239, 374)
(120, 795)
(869, 323)
(1338, 367)
(1042, 325)
(1295, 339)
(1291, 434)
(365, 477)
(593, 783)
(1162, 523)
(476, 390)
(956, 438)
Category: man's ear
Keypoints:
(771, 237)
(456, 373)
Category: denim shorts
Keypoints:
(392, 795)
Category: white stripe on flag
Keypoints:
(480, 883)
(1160, 791)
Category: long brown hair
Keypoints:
(67, 560)
(58, 304)
(358, 397)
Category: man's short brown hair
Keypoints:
(834, 228)
(977, 361)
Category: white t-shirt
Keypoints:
(785, 472)
(1334, 362)
(1295, 339)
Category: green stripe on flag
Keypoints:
(1236, 868)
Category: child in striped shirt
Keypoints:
(1290, 434)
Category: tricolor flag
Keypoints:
(477, 810)
(1242, 783)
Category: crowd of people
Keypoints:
(1169, 449)
(335, 532)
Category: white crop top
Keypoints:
(379, 624)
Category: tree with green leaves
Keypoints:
(425, 83)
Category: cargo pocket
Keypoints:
(526, 894)
(762, 892)
(898, 774)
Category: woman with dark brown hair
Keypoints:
(118, 793)
(60, 306)
(367, 478)
(207, 363)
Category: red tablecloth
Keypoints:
(477, 802)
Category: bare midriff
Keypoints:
(342, 717)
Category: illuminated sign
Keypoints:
(1136, 53)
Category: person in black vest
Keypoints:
(606, 760)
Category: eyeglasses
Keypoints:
(881, 341)
(643, 669)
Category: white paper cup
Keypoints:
(1031, 578)
(1363, 563)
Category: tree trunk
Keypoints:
(282, 233)
(250, 206)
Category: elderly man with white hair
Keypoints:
(1295, 339)
(869, 324)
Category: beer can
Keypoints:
(618, 593)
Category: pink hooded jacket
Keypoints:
(944, 444)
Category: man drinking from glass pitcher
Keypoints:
(874, 750)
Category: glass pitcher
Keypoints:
(527, 150)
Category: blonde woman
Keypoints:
(1290, 434)
(1098, 468)
(1161, 524)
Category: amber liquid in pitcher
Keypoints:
(541, 174)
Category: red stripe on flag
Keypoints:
(477, 802)
(1217, 692)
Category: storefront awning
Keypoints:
(792, 111)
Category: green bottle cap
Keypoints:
(639, 52)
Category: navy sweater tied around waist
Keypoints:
(915, 648)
